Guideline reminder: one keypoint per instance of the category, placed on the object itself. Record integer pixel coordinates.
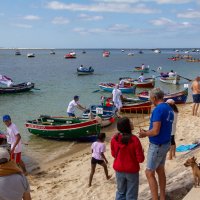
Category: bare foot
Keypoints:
(89, 185)
(109, 177)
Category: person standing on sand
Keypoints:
(14, 139)
(128, 153)
(98, 157)
(159, 134)
(196, 95)
(13, 184)
(172, 151)
(72, 106)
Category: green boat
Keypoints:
(64, 128)
(140, 69)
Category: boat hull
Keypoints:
(148, 83)
(85, 71)
(139, 69)
(22, 87)
(171, 80)
(109, 88)
(179, 97)
(83, 130)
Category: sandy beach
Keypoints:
(67, 177)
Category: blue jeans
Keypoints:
(127, 186)
(71, 114)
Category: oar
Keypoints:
(185, 78)
(96, 91)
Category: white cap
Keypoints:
(170, 101)
(4, 153)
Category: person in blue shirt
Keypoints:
(159, 134)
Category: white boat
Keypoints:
(52, 52)
(17, 53)
(130, 54)
(157, 51)
(30, 55)
(171, 80)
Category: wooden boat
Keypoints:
(30, 55)
(179, 97)
(108, 116)
(140, 69)
(70, 55)
(193, 60)
(148, 82)
(130, 105)
(22, 87)
(106, 53)
(64, 128)
(17, 53)
(108, 87)
(85, 70)
(172, 80)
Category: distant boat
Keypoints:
(85, 71)
(17, 53)
(130, 54)
(106, 53)
(140, 52)
(157, 51)
(30, 55)
(52, 52)
(70, 55)
(122, 50)
(140, 69)
(83, 51)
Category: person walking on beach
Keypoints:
(127, 152)
(98, 157)
(159, 134)
(172, 151)
(14, 139)
(117, 98)
(73, 105)
(13, 184)
(196, 95)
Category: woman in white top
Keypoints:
(172, 151)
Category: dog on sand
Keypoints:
(191, 162)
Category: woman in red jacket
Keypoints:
(128, 153)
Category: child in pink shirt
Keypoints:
(98, 157)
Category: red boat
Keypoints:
(70, 55)
(137, 106)
(148, 82)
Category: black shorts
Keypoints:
(172, 140)
(196, 98)
(95, 161)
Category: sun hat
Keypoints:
(6, 118)
(76, 97)
(170, 101)
(4, 153)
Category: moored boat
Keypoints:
(141, 69)
(30, 55)
(17, 53)
(171, 80)
(70, 55)
(85, 70)
(52, 52)
(147, 83)
(106, 53)
(108, 87)
(64, 128)
(17, 88)
(179, 97)
(107, 117)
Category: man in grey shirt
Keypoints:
(13, 184)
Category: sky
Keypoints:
(100, 24)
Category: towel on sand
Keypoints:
(187, 147)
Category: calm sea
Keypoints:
(58, 82)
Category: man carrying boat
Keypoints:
(73, 105)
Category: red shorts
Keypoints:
(16, 157)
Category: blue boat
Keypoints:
(85, 71)
(179, 97)
(108, 87)
(108, 116)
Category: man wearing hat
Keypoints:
(14, 139)
(73, 105)
(13, 184)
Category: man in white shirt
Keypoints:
(14, 139)
(171, 73)
(141, 78)
(73, 105)
(121, 83)
(117, 98)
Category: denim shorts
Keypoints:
(196, 98)
(157, 155)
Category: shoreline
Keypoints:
(67, 176)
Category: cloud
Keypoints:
(189, 14)
(90, 17)
(22, 25)
(60, 20)
(31, 17)
(171, 1)
(162, 22)
(103, 7)
(120, 1)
